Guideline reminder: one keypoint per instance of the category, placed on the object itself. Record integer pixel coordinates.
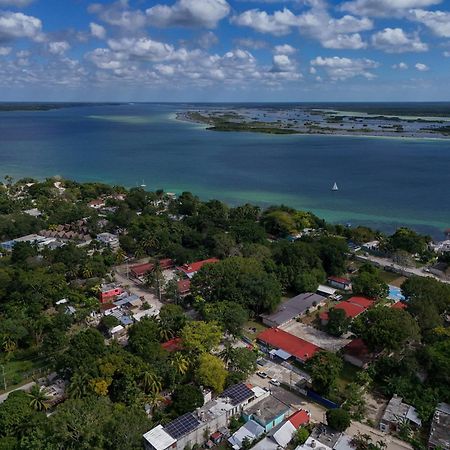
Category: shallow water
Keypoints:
(382, 182)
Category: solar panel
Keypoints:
(182, 426)
(237, 393)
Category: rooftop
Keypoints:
(196, 266)
(339, 280)
(158, 438)
(294, 307)
(351, 310)
(440, 427)
(294, 345)
(299, 418)
(267, 410)
(361, 301)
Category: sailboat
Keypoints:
(335, 187)
(143, 185)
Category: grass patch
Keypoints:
(250, 326)
(348, 375)
(388, 277)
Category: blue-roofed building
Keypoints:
(125, 320)
(189, 429)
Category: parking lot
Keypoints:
(315, 336)
(277, 372)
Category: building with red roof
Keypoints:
(357, 353)
(191, 269)
(281, 340)
(343, 284)
(351, 311)
(300, 418)
(140, 270)
(172, 345)
(361, 301)
(184, 287)
(399, 305)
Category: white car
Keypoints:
(275, 382)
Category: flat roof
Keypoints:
(267, 410)
(294, 345)
(158, 438)
(440, 427)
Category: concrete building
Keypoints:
(268, 412)
(109, 240)
(322, 437)
(396, 412)
(440, 428)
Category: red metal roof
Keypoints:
(280, 339)
(196, 266)
(299, 418)
(142, 269)
(361, 301)
(184, 286)
(399, 305)
(351, 310)
(172, 345)
(340, 280)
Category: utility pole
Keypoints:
(4, 378)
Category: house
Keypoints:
(352, 307)
(282, 434)
(268, 412)
(109, 240)
(322, 437)
(191, 269)
(292, 346)
(108, 292)
(33, 212)
(184, 287)
(191, 428)
(343, 284)
(399, 305)
(128, 300)
(140, 270)
(97, 203)
(117, 332)
(249, 431)
(357, 353)
(172, 345)
(293, 308)
(396, 412)
(440, 428)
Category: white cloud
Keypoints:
(400, 65)
(207, 40)
(384, 8)
(189, 13)
(279, 23)
(5, 51)
(18, 25)
(421, 67)
(395, 40)
(118, 14)
(343, 68)
(97, 30)
(255, 44)
(285, 49)
(339, 33)
(447, 54)
(437, 21)
(58, 47)
(282, 63)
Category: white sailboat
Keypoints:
(335, 187)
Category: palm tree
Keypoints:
(155, 278)
(9, 346)
(79, 385)
(38, 398)
(226, 355)
(120, 256)
(180, 363)
(87, 271)
(151, 383)
(164, 332)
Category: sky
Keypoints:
(225, 50)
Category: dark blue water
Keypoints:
(382, 182)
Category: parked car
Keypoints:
(274, 382)
(262, 374)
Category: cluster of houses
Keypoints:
(266, 418)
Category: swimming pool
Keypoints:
(395, 293)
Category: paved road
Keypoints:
(400, 269)
(25, 387)
(136, 288)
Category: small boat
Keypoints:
(143, 185)
(335, 187)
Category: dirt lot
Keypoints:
(317, 337)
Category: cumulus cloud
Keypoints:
(421, 67)
(119, 14)
(189, 13)
(282, 63)
(97, 30)
(207, 40)
(255, 44)
(285, 49)
(400, 65)
(395, 40)
(344, 68)
(339, 33)
(58, 47)
(19, 25)
(437, 21)
(384, 8)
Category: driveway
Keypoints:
(25, 387)
(315, 336)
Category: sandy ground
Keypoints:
(317, 337)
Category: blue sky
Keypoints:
(225, 50)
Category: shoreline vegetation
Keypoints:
(329, 122)
(30, 106)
